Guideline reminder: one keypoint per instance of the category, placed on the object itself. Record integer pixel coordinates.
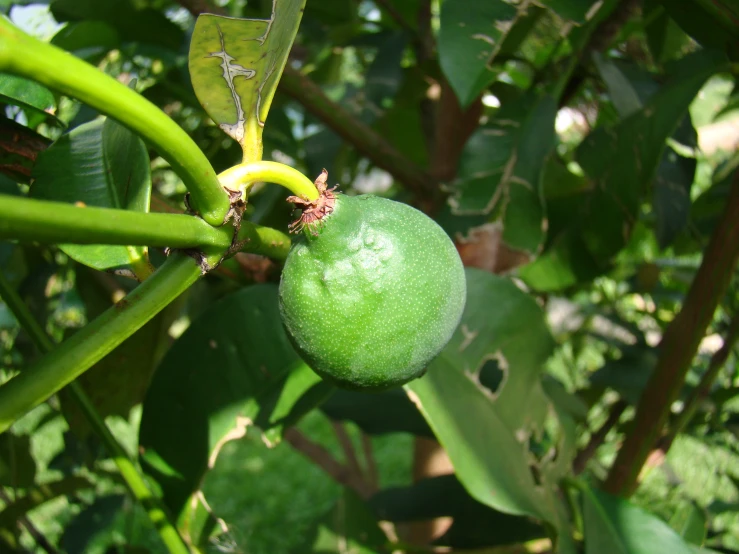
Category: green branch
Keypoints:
(678, 348)
(99, 337)
(61, 223)
(24, 55)
(134, 480)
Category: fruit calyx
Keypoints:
(314, 210)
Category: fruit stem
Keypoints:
(245, 176)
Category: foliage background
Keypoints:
(606, 234)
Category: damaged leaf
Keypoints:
(235, 65)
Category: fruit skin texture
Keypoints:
(374, 295)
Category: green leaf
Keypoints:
(620, 163)
(628, 375)
(713, 23)
(516, 334)
(147, 25)
(377, 413)
(119, 381)
(470, 35)
(100, 163)
(349, 527)
(578, 11)
(689, 520)
(629, 89)
(41, 494)
(622, 92)
(665, 38)
(36, 99)
(232, 370)
(671, 196)
(92, 521)
(501, 167)
(475, 525)
(89, 40)
(616, 526)
(235, 65)
(17, 466)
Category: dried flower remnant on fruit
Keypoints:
(314, 210)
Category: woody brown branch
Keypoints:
(678, 347)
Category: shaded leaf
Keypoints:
(92, 521)
(628, 375)
(41, 494)
(470, 36)
(629, 89)
(713, 23)
(103, 164)
(147, 25)
(620, 163)
(235, 65)
(578, 11)
(500, 171)
(89, 40)
(17, 466)
(689, 521)
(377, 413)
(665, 38)
(475, 525)
(671, 196)
(119, 381)
(349, 527)
(233, 368)
(616, 526)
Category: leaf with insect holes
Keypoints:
(235, 65)
(454, 390)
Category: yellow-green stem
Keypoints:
(244, 176)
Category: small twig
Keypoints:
(373, 475)
(599, 437)
(26, 522)
(320, 456)
(346, 445)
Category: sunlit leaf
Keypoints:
(614, 525)
(235, 65)
(103, 164)
(470, 36)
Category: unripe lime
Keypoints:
(371, 293)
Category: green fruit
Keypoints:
(371, 292)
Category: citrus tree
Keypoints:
(196, 360)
